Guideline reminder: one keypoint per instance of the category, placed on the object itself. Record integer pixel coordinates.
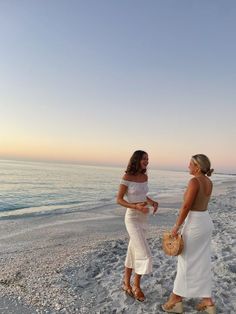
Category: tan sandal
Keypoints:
(138, 294)
(173, 307)
(210, 309)
(127, 289)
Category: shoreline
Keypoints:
(174, 200)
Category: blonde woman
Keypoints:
(133, 195)
(193, 279)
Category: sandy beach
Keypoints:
(73, 263)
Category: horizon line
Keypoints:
(94, 164)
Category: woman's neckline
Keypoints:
(136, 181)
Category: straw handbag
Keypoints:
(172, 245)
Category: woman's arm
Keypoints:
(120, 197)
(153, 204)
(190, 196)
(121, 201)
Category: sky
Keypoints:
(91, 81)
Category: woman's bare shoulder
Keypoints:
(135, 178)
(128, 177)
(193, 183)
(209, 180)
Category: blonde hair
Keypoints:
(203, 162)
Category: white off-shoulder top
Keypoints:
(136, 192)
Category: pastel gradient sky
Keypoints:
(91, 81)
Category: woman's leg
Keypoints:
(174, 298)
(138, 254)
(138, 293)
(207, 305)
(126, 283)
(174, 304)
(206, 302)
(137, 280)
(127, 276)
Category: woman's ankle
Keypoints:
(176, 297)
(136, 286)
(207, 301)
(126, 283)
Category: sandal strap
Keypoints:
(170, 305)
(202, 306)
(127, 288)
(138, 293)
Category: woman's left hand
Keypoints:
(174, 231)
(155, 207)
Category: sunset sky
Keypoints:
(92, 81)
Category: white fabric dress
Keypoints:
(138, 254)
(193, 279)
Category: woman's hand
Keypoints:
(142, 207)
(155, 207)
(174, 231)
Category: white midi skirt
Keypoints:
(138, 254)
(193, 277)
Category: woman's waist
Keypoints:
(134, 199)
(135, 214)
(198, 213)
(198, 218)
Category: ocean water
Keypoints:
(41, 188)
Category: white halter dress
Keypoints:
(193, 277)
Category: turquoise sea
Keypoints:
(38, 188)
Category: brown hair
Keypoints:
(134, 162)
(203, 163)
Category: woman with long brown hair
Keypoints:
(133, 195)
